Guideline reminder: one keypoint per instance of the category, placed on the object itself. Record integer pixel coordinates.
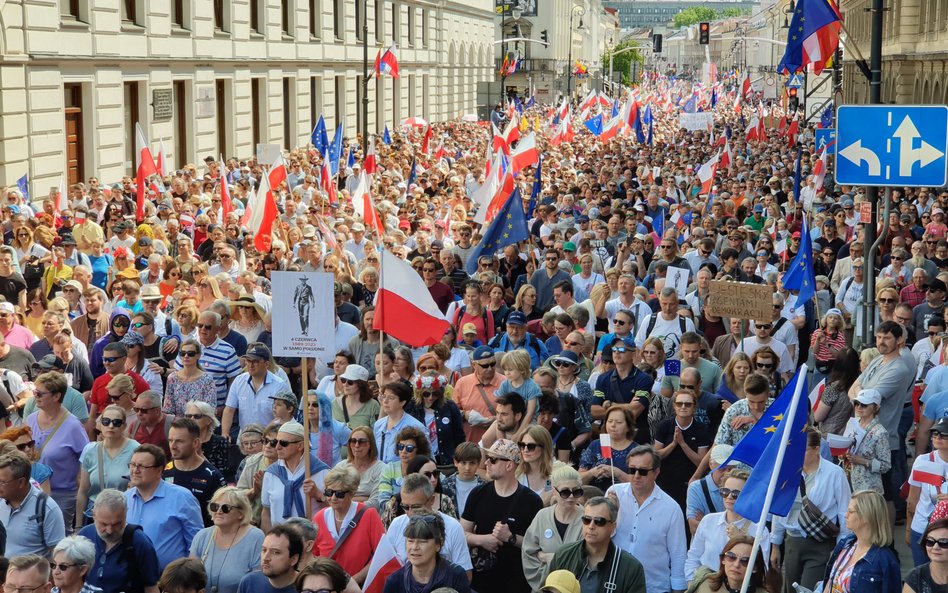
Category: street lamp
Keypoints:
(516, 12)
(365, 77)
(580, 12)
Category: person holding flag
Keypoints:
(926, 487)
(604, 462)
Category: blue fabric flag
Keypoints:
(797, 177)
(537, 188)
(800, 275)
(759, 450)
(811, 17)
(714, 97)
(352, 158)
(412, 174)
(639, 132)
(530, 102)
(24, 184)
(320, 138)
(459, 154)
(507, 228)
(386, 137)
(658, 223)
(826, 120)
(335, 149)
(615, 108)
(648, 121)
(691, 105)
(594, 124)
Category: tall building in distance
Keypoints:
(657, 14)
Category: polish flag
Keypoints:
(384, 563)
(727, 157)
(162, 162)
(605, 446)
(227, 204)
(387, 62)
(370, 164)
(928, 471)
(792, 132)
(753, 130)
(817, 392)
(706, 174)
(819, 170)
(248, 208)
(146, 168)
(405, 308)
(498, 143)
(512, 131)
(362, 205)
(563, 133)
(263, 212)
(440, 153)
(839, 444)
(783, 124)
(326, 180)
(526, 154)
(426, 141)
(610, 129)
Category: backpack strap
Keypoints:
(39, 513)
(652, 320)
(707, 495)
(778, 325)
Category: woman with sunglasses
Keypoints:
(716, 529)
(251, 476)
(653, 354)
(441, 417)
(70, 563)
(32, 256)
(135, 361)
(214, 447)
(864, 560)
(410, 442)
(426, 569)
(526, 303)
(537, 459)
(440, 501)
(827, 342)
(554, 526)
(734, 560)
(345, 521)
(356, 407)
(231, 548)
(765, 362)
(363, 455)
(208, 292)
(189, 383)
(932, 576)
(21, 438)
(332, 383)
(33, 320)
(104, 463)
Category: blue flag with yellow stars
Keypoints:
(800, 275)
(759, 450)
(507, 228)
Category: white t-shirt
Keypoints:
(668, 331)
(751, 344)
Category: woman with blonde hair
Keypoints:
(537, 461)
(526, 302)
(732, 383)
(208, 291)
(32, 256)
(827, 342)
(231, 547)
(653, 354)
(546, 534)
(104, 464)
(36, 308)
(187, 317)
(864, 559)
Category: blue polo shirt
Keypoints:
(25, 535)
(385, 438)
(254, 406)
(170, 518)
(114, 571)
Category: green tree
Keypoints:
(727, 13)
(622, 63)
(694, 14)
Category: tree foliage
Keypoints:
(697, 14)
(622, 62)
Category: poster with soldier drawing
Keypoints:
(303, 315)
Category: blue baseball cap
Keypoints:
(482, 353)
(516, 318)
(628, 341)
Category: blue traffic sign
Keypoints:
(892, 146)
(795, 81)
(826, 137)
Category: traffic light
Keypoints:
(793, 101)
(545, 37)
(704, 33)
(657, 43)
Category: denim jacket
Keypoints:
(876, 572)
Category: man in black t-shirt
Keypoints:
(11, 283)
(495, 519)
(188, 468)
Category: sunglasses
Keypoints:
(143, 410)
(188, 353)
(25, 446)
(566, 493)
(488, 365)
(744, 560)
(358, 441)
(529, 446)
(206, 326)
(764, 365)
(194, 416)
(729, 493)
(284, 444)
(940, 542)
(406, 448)
(340, 494)
(270, 442)
(348, 381)
(224, 508)
(111, 358)
(493, 460)
(116, 422)
(121, 323)
(642, 471)
(599, 521)
(61, 567)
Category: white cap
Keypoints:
(869, 396)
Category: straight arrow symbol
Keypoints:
(908, 156)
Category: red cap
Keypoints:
(796, 235)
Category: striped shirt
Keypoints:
(220, 361)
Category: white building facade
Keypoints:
(209, 77)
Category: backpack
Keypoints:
(653, 319)
(7, 397)
(459, 315)
(39, 515)
(133, 581)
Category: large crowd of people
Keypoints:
(571, 432)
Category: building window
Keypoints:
(379, 21)
(289, 115)
(411, 97)
(339, 18)
(224, 117)
(219, 15)
(132, 116)
(424, 27)
(394, 22)
(72, 101)
(315, 99)
(360, 15)
(340, 99)
(315, 24)
(177, 13)
(181, 120)
(285, 24)
(256, 112)
(130, 11)
(255, 17)
(69, 8)
(411, 24)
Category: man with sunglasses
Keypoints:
(113, 361)
(249, 394)
(596, 561)
(624, 386)
(285, 485)
(495, 519)
(189, 468)
(762, 337)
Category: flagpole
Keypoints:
(772, 486)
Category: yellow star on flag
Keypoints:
(778, 417)
(770, 429)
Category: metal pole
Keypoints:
(365, 77)
(872, 193)
(503, 51)
(569, 63)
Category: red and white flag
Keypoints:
(792, 130)
(387, 62)
(706, 174)
(162, 162)
(426, 141)
(526, 154)
(817, 392)
(62, 200)
(927, 471)
(404, 308)
(263, 212)
(384, 563)
(819, 171)
(605, 446)
(753, 130)
(227, 204)
(326, 180)
(362, 205)
(727, 157)
(370, 164)
(146, 168)
(839, 444)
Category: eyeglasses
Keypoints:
(940, 542)
(139, 324)
(358, 441)
(487, 365)
(25, 446)
(115, 398)
(121, 323)
(139, 467)
(116, 422)
(897, 258)
(642, 471)
(194, 416)
(348, 381)
(430, 475)
(144, 410)
(206, 326)
(729, 493)
(688, 386)
(224, 508)
(619, 350)
(493, 460)
(61, 567)
(111, 359)
(599, 521)
(764, 365)
(744, 560)
(575, 493)
(406, 448)
(684, 404)
(529, 446)
(39, 393)
(888, 301)
(763, 326)
(188, 353)
(270, 442)
(284, 444)
(340, 494)
(249, 444)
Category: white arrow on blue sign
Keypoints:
(892, 146)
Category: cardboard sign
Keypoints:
(865, 213)
(303, 315)
(267, 154)
(742, 300)
(677, 278)
(696, 121)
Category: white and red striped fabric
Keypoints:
(404, 308)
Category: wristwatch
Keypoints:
(513, 539)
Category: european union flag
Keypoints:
(386, 137)
(412, 174)
(537, 188)
(530, 102)
(507, 228)
(648, 121)
(815, 25)
(826, 120)
(335, 149)
(691, 105)
(639, 132)
(714, 97)
(320, 138)
(594, 124)
(799, 275)
(759, 450)
(658, 223)
(352, 158)
(24, 184)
